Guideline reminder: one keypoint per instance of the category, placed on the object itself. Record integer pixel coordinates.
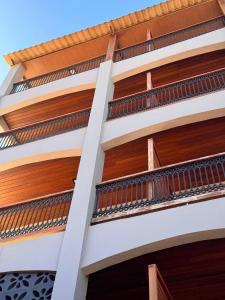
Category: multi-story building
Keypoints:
(112, 160)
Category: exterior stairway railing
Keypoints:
(163, 185)
(44, 129)
(35, 215)
(58, 74)
(167, 94)
(169, 39)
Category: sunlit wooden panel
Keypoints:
(50, 109)
(66, 57)
(37, 180)
(172, 146)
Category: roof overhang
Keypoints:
(100, 30)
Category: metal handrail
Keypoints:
(44, 129)
(35, 215)
(169, 183)
(169, 39)
(58, 74)
(167, 94)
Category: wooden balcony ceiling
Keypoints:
(169, 73)
(37, 180)
(49, 109)
(131, 29)
(192, 272)
(172, 146)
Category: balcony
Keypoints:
(44, 129)
(195, 180)
(59, 74)
(169, 39)
(30, 217)
(122, 54)
(167, 94)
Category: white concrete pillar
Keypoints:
(70, 283)
(15, 74)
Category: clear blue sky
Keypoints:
(24, 23)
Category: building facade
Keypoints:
(112, 165)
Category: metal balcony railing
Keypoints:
(169, 39)
(163, 185)
(59, 74)
(44, 129)
(35, 215)
(167, 94)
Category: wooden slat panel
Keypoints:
(38, 179)
(172, 146)
(50, 109)
(194, 271)
(171, 72)
(188, 68)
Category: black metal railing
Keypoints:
(44, 129)
(59, 74)
(34, 216)
(167, 94)
(169, 39)
(166, 184)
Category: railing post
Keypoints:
(222, 5)
(71, 282)
(111, 47)
(15, 74)
(150, 99)
(153, 162)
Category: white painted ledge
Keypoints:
(56, 144)
(125, 129)
(35, 254)
(71, 84)
(208, 42)
(116, 241)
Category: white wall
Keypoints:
(124, 129)
(119, 240)
(74, 83)
(69, 140)
(40, 253)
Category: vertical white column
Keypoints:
(70, 282)
(15, 74)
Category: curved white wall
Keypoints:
(119, 240)
(75, 83)
(40, 253)
(124, 129)
(202, 44)
(58, 143)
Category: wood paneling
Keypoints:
(67, 57)
(50, 109)
(172, 146)
(37, 179)
(192, 272)
(185, 18)
(166, 74)
(169, 23)
(188, 68)
(130, 85)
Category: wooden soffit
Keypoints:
(100, 30)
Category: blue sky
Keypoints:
(24, 23)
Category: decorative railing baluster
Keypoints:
(59, 74)
(169, 39)
(166, 184)
(44, 129)
(35, 215)
(167, 94)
